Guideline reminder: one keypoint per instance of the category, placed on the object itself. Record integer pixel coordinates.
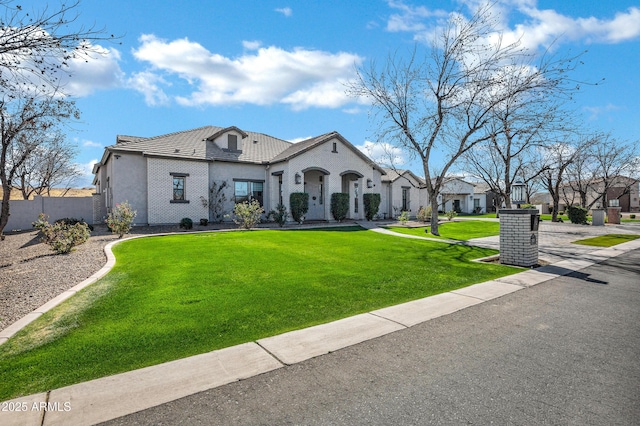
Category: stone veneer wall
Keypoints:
(518, 243)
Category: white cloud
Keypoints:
(100, 70)
(540, 29)
(86, 176)
(251, 45)
(296, 140)
(300, 77)
(286, 11)
(382, 153)
(149, 84)
(91, 144)
(597, 111)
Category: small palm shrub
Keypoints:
(279, 215)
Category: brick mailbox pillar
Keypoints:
(613, 215)
(519, 237)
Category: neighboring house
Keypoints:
(458, 195)
(622, 188)
(166, 178)
(402, 191)
(485, 199)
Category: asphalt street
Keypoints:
(566, 352)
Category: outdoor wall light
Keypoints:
(298, 178)
(369, 183)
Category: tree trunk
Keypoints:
(4, 210)
(433, 199)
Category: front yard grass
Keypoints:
(607, 240)
(461, 231)
(175, 296)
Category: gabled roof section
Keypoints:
(196, 145)
(228, 129)
(301, 147)
(395, 174)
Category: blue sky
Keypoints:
(279, 67)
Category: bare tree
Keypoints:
(557, 157)
(443, 105)
(49, 165)
(602, 164)
(36, 46)
(19, 120)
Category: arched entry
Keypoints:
(315, 186)
(352, 185)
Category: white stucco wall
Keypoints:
(335, 163)
(228, 171)
(160, 190)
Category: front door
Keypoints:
(314, 186)
(456, 206)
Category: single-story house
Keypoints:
(458, 195)
(168, 177)
(402, 191)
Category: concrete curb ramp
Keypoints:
(121, 394)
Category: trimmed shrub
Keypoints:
(299, 205)
(62, 237)
(204, 222)
(578, 215)
(633, 216)
(247, 215)
(424, 214)
(339, 205)
(121, 218)
(371, 205)
(186, 223)
(279, 215)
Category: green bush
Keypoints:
(247, 215)
(299, 205)
(279, 215)
(62, 237)
(633, 216)
(578, 215)
(451, 214)
(404, 217)
(73, 221)
(371, 205)
(121, 218)
(186, 223)
(424, 214)
(339, 205)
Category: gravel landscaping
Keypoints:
(31, 274)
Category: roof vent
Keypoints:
(177, 150)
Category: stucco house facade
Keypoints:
(166, 178)
(458, 195)
(402, 191)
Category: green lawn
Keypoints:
(462, 231)
(175, 296)
(607, 240)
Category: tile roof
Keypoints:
(394, 174)
(193, 145)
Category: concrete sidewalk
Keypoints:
(115, 396)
